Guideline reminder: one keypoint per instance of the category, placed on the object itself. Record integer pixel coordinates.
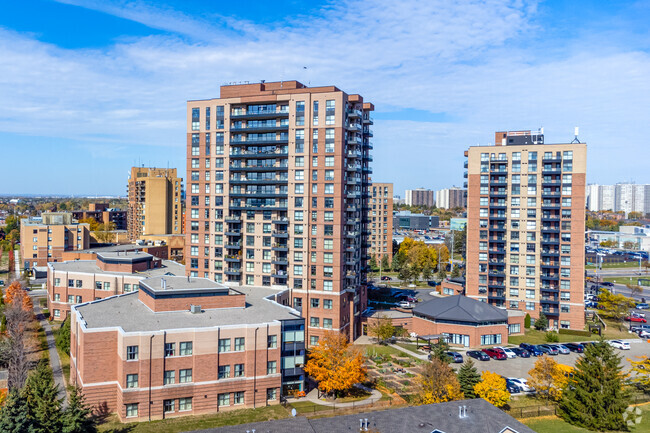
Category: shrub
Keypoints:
(527, 321)
(63, 339)
(552, 337)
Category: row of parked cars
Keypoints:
(526, 350)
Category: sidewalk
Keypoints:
(421, 356)
(312, 396)
(55, 361)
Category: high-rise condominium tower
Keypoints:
(525, 226)
(155, 205)
(278, 196)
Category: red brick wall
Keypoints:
(179, 304)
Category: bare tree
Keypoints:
(16, 356)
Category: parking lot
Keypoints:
(519, 367)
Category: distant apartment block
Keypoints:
(451, 198)
(381, 221)
(111, 272)
(44, 239)
(419, 197)
(186, 346)
(526, 226)
(101, 213)
(405, 220)
(278, 196)
(155, 204)
(622, 197)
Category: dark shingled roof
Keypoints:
(460, 308)
(481, 417)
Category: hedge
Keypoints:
(574, 332)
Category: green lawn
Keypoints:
(625, 280)
(555, 425)
(64, 357)
(628, 264)
(189, 423)
(410, 346)
(533, 336)
(377, 349)
(307, 407)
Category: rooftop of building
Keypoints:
(478, 416)
(167, 267)
(460, 308)
(121, 256)
(131, 315)
(185, 285)
(114, 248)
(390, 314)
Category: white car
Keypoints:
(521, 383)
(404, 304)
(509, 353)
(644, 333)
(622, 345)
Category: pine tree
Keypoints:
(384, 263)
(527, 321)
(542, 322)
(13, 416)
(439, 350)
(468, 377)
(77, 417)
(595, 398)
(63, 339)
(43, 404)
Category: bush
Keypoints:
(574, 332)
(541, 323)
(527, 321)
(552, 337)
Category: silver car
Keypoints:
(562, 349)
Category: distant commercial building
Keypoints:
(526, 226)
(101, 213)
(458, 224)
(405, 220)
(155, 205)
(109, 273)
(622, 197)
(419, 197)
(381, 220)
(451, 198)
(44, 239)
(638, 237)
(186, 346)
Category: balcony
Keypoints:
(353, 154)
(258, 155)
(233, 271)
(233, 219)
(499, 160)
(553, 159)
(280, 221)
(280, 234)
(465, 164)
(242, 167)
(497, 273)
(368, 120)
(552, 253)
(232, 232)
(280, 247)
(353, 126)
(259, 114)
(499, 193)
(279, 260)
(551, 193)
(352, 234)
(233, 246)
(355, 113)
(268, 128)
(551, 311)
(550, 277)
(282, 276)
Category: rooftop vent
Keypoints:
(163, 284)
(462, 412)
(363, 424)
(195, 309)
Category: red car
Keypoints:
(636, 319)
(496, 353)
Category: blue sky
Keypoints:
(90, 88)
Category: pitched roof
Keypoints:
(481, 417)
(460, 308)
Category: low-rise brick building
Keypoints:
(186, 346)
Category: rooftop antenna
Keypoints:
(575, 139)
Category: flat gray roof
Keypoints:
(90, 267)
(126, 256)
(168, 284)
(127, 312)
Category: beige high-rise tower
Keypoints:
(278, 196)
(526, 225)
(155, 205)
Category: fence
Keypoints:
(541, 410)
(315, 409)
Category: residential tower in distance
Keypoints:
(622, 197)
(419, 197)
(450, 198)
(278, 196)
(381, 221)
(525, 226)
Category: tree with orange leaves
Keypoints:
(16, 292)
(335, 365)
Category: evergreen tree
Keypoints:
(3, 324)
(43, 404)
(527, 321)
(63, 339)
(13, 416)
(384, 263)
(595, 398)
(373, 264)
(541, 323)
(468, 378)
(439, 350)
(77, 417)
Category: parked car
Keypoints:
(531, 348)
(643, 333)
(509, 353)
(512, 387)
(496, 353)
(548, 349)
(455, 357)
(521, 383)
(575, 347)
(522, 353)
(636, 319)
(477, 354)
(412, 299)
(637, 314)
(386, 278)
(622, 345)
(562, 349)
(404, 304)
(607, 284)
(642, 306)
(433, 283)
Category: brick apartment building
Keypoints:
(278, 196)
(526, 224)
(44, 239)
(186, 346)
(155, 203)
(419, 197)
(381, 221)
(101, 213)
(100, 274)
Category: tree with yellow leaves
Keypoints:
(492, 388)
(641, 368)
(438, 383)
(549, 378)
(335, 365)
(16, 292)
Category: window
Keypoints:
(131, 380)
(131, 410)
(185, 404)
(328, 286)
(224, 345)
(169, 377)
(239, 370)
(313, 340)
(314, 322)
(239, 343)
(327, 323)
(329, 161)
(271, 367)
(272, 341)
(239, 397)
(490, 339)
(170, 349)
(131, 353)
(271, 393)
(327, 304)
(224, 371)
(186, 348)
(185, 376)
(223, 399)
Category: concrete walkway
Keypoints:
(313, 397)
(421, 356)
(55, 361)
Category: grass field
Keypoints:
(190, 423)
(409, 346)
(377, 349)
(628, 264)
(554, 424)
(533, 336)
(625, 280)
